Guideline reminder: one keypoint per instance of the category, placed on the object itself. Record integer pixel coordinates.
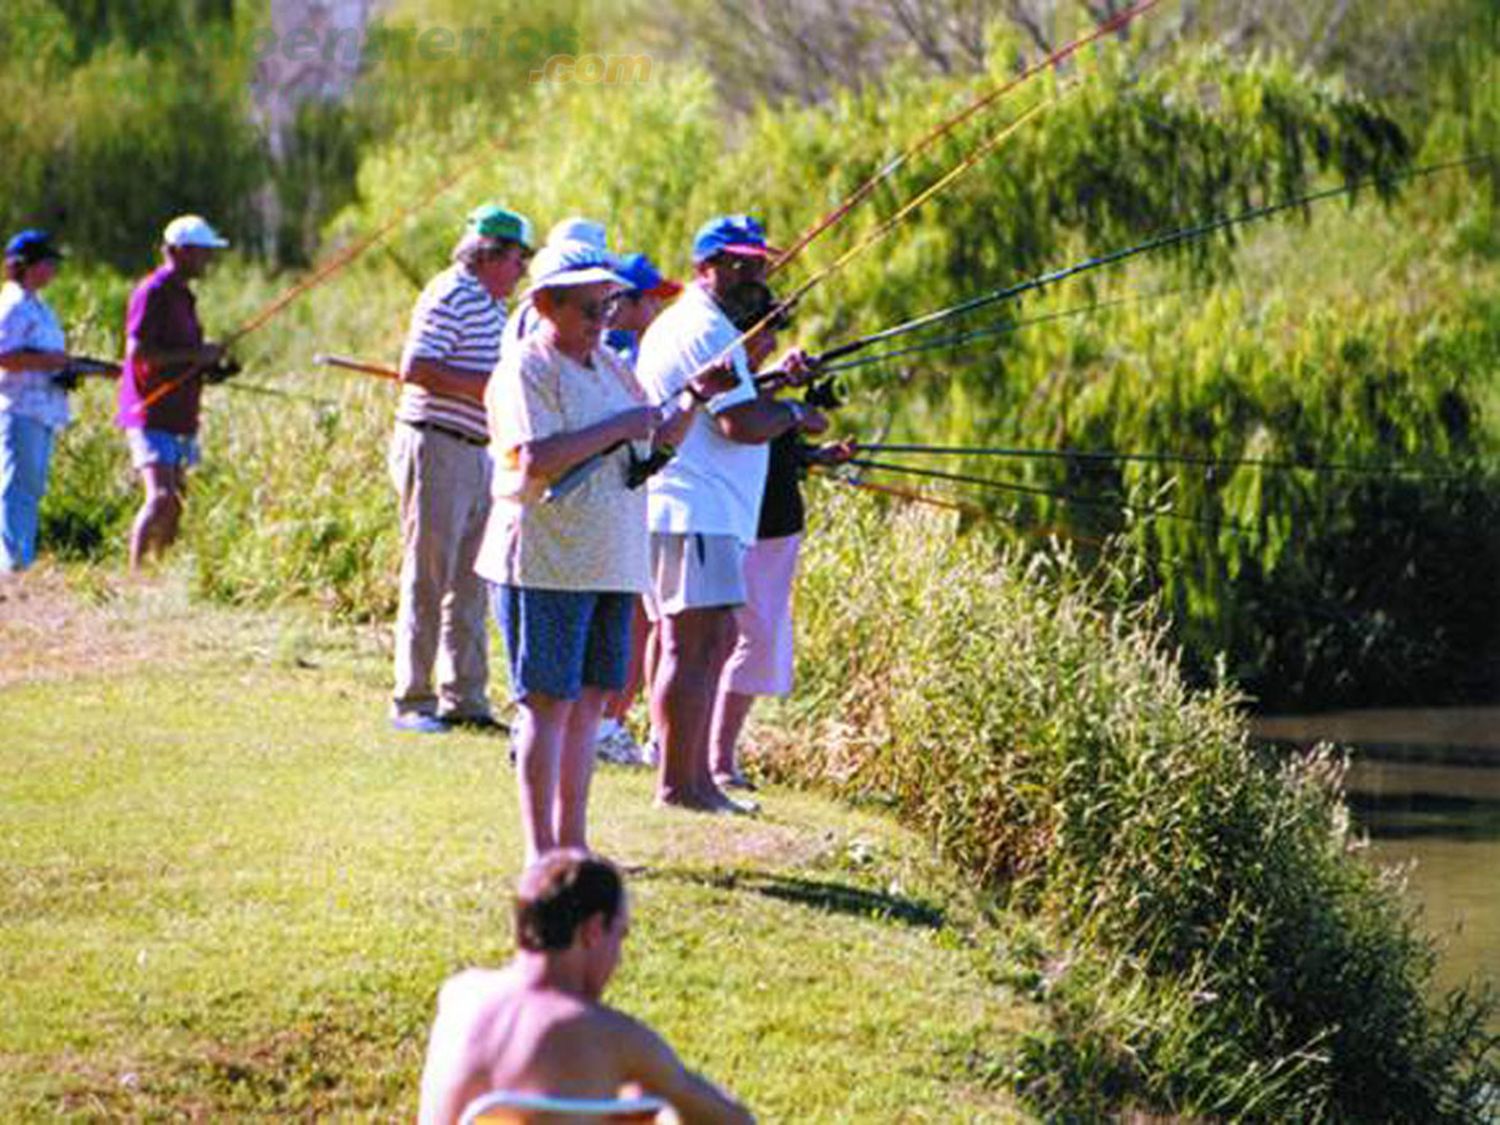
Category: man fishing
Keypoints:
(439, 463)
(167, 361)
(704, 506)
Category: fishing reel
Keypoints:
(825, 394)
(73, 372)
(643, 469)
(227, 368)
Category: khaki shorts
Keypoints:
(695, 572)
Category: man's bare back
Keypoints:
(539, 1027)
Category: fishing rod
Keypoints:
(322, 274)
(1323, 609)
(344, 363)
(783, 307)
(277, 392)
(968, 162)
(575, 476)
(1055, 494)
(1110, 26)
(80, 367)
(1190, 459)
(912, 495)
(1001, 328)
(1172, 238)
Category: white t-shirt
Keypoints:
(713, 486)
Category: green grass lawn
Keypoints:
(230, 891)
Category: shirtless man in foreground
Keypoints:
(538, 1026)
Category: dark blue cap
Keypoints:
(643, 276)
(730, 234)
(32, 246)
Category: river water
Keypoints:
(1425, 786)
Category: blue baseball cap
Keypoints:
(641, 274)
(32, 246)
(730, 234)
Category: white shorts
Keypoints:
(694, 572)
(761, 663)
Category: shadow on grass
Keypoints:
(831, 898)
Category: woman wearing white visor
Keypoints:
(564, 573)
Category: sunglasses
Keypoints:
(595, 310)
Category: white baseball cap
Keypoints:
(563, 264)
(580, 230)
(193, 230)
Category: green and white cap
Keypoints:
(491, 221)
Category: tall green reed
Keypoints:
(1221, 947)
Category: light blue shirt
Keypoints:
(26, 323)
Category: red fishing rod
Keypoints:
(927, 140)
(335, 264)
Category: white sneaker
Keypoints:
(621, 749)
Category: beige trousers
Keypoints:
(444, 488)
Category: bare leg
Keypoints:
(542, 726)
(730, 712)
(155, 526)
(652, 658)
(618, 705)
(572, 808)
(694, 646)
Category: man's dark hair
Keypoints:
(560, 892)
(748, 303)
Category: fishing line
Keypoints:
(1056, 494)
(1001, 328)
(1172, 238)
(1189, 459)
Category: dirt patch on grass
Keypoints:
(56, 625)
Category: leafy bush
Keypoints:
(1222, 950)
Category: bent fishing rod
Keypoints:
(1204, 461)
(574, 477)
(1172, 238)
(1116, 23)
(333, 266)
(81, 367)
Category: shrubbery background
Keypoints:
(1017, 687)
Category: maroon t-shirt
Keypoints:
(162, 316)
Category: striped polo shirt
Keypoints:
(456, 321)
